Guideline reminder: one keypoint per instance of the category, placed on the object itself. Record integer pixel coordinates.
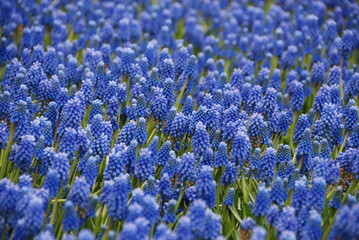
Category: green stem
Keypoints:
(344, 142)
(15, 175)
(244, 190)
(291, 130)
(5, 156)
(178, 102)
(35, 174)
(53, 214)
(3, 235)
(180, 198)
(350, 190)
(300, 164)
(73, 170)
(109, 225)
(151, 136)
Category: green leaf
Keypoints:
(235, 213)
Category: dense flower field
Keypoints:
(179, 120)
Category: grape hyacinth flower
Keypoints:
(179, 120)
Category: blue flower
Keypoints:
(80, 193)
(72, 115)
(186, 167)
(159, 107)
(68, 142)
(187, 108)
(4, 135)
(256, 130)
(170, 214)
(267, 165)
(313, 229)
(317, 194)
(70, 221)
(287, 220)
(206, 186)
(179, 126)
(96, 109)
(248, 224)
(274, 81)
(127, 133)
(351, 118)
(262, 203)
(164, 153)
(346, 43)
(229, 199)
(86, 234)
(24, 152)
(336, 200)
(334, 76)
(237, 78)
(145, 165)
(117, 198)
(254, 100)
(183, 230)
(259, 233)
(288, 57)
(200, 140)
(273, 215)
(269, 102)
(197, 216)
(50, 61)
(302, 124)
(213, 226)
(171, 165)
(101, 145)
(45, 235)
(229, 175)
(318, 73)
(240, 148)
(167, 69)
(61, 163)
(305, 145)
(342, 225)
(278, 194)
(52, 182)
(298, 97)
(31, 222)
(141, 131)
(300, 195)
(322, 97)
(221, 157)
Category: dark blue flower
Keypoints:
(206, 186)
(240, 148)
(186, 167)
(117, 198)
(229, 175)
(70, 221)
(80, 192)
(336, 200)
(141, 131)
(262, 203)
(145, 165)
(313, 228)
(221, 157)
(278, 194)
(300, 195)
(229, 199)
(267, 165)
(298, 97)
(200, 140)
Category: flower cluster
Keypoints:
(205, 119)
